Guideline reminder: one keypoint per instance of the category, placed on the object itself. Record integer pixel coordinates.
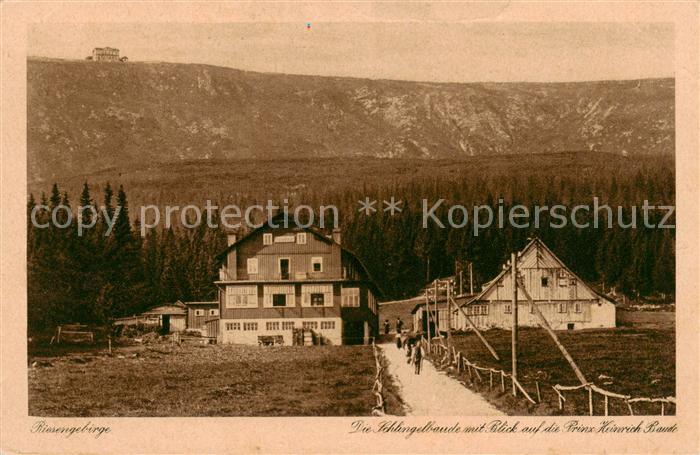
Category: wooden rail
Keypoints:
(378, 387)
(475, 372)
(592, 388)
(472, 369)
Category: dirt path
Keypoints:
(433, 392)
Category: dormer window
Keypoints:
(267, 239)
(301, 238)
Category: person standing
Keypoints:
(387, 326)
(417, 356)
(409, 350)
(399, 325)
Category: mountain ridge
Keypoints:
(86, 116)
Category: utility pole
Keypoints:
(449, 322)
(461, 265)
(437, 315)
(471, 279)
(427, 316)
(514, 333)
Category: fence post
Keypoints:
(503, 382)
(606, 406)
(539, 397)
(490, 379)
(590, 400)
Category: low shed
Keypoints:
(171, 316)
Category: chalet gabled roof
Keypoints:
(278, 219)
(266, 225)
(535, 242)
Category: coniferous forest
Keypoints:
(93, 278)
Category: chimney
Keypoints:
(230, 239)
(336, 236)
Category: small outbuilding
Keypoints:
(172, 317)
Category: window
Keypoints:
(252, 265)
(326, 290)
(267, 239)
(199, 312)
(272, 325)
(214, 312)
(317, 264)
(327, 325)
(572, 282)
(278, 296)
(507, 308)
(562, 307)
(545, 282)
(350, 297)
(371, 302)
(284, 268)
(577, 307)
(233, 326)
(287, 325)
(478, 310)
(241, 297)
(317, 299)
(248, 326)
(301, 238)
(310, 325)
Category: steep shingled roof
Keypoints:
(277, 219)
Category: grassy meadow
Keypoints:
(632, 361)
(160, 380)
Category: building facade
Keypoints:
(200, 312)
(105, 54)
(275, 282)
(566, 301)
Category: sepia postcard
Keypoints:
(278, 227)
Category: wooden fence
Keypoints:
(592, 388)
(73, 333)
(475, 373)
(378, 387)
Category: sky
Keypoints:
(434, 52)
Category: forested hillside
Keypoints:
(94, 278)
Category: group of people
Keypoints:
(414, 349)
(387, 326)
(412, 344)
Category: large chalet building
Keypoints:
(566, 301)
(275, 281)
